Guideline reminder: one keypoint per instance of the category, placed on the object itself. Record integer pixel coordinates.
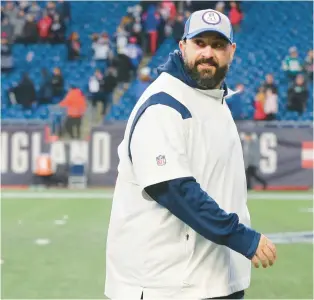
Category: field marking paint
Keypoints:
(307, 210)
(62, 221)
(280, 196)
(52, 195)
(304, 237)
(108, 195)
(1, 261)
(42, 242)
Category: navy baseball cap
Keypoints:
(208, 20)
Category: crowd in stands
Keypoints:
(26, 22)
(141, 31)
(299, 76)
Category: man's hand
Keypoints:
(265, 253)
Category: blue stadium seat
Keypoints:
(87, 17)
(261, 49)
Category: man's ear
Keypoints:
(233, 49)
(182, 46)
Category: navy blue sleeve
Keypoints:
(185, 199)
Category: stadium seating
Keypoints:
(88, 17)
(122, 110)
(267, 32)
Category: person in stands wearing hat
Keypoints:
(134, 52)
(292, 65)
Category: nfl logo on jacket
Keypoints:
(161, 160)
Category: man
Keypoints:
(251, 156)
(179, 220)
(291, 65)
(75, 105)
(269, 84)
(298, 95)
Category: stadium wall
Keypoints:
(286, 153)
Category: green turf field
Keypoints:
(72, 264)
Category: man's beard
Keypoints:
(206, 79)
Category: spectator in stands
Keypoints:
(74, 47)
(142, 83)
(101, 47)
(44, 27)
(308, 66)
(7, 29)
(6, 55)
(235, 15)
(24, 5)
(121, 39)
(178, 28)
(171, 9)
(34, 10)
(11, 11)
(291, 64)
(269, 84)
(64, 10)
(151, 20)
(298, 95)
(19, 24)
(96, 89)
(124, 67)
(168, 31)
(24, 93)
(57, 30)
(57, 83)
(134, 52)
(187, 5)
(75, 104)
(271, 105)
(187, 14)
(110, 83)
(127, 21)
(137, 11)
(161, 29)
(45, 90)
(220, 6)
(30, 31)
(51, 9)
(138, 33)
(259, 102)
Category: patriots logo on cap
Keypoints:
(211, 17)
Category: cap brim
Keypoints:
(195, 33)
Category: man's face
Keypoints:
(294, 54)
(207, 58)
(180, 18)
(10, 5)
(269, 78)
(299, 80)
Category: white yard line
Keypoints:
(108, 195)
(52, 195)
